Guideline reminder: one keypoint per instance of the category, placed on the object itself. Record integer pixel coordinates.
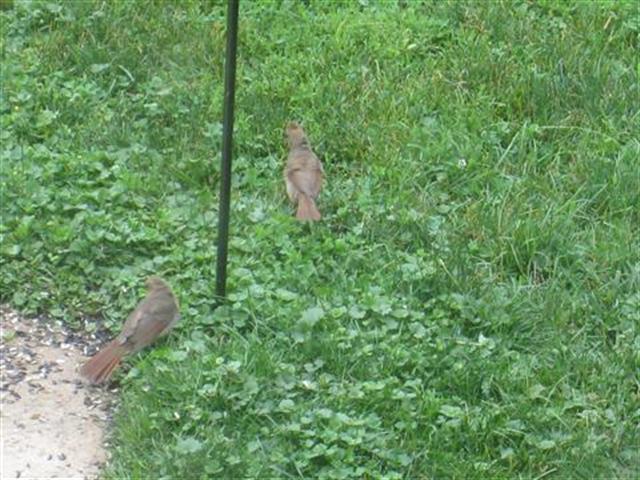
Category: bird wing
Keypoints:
(305, 173)
(134, 319)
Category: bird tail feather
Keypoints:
(100, 367)
(307, 209)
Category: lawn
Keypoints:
(467, 308)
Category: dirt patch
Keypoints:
(53, 425)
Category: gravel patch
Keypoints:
(53, 424)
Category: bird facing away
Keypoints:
(303, 174)
(154, 316)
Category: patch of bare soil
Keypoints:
(53, 425)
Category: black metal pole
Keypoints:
(227, 143)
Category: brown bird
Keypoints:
(303, 173)
(154, 316)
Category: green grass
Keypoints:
(468, 307)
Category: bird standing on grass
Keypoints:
(154, 316)
(303, 173)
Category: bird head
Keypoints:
(155, 282)
(295, 134)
